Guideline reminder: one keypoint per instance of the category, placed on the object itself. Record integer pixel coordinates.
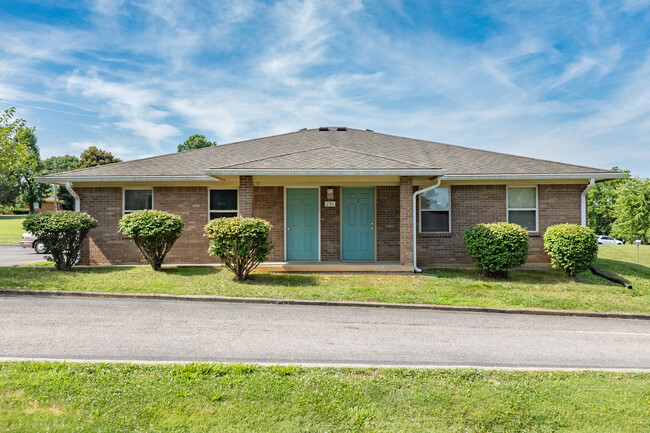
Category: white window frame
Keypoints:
(124, 190)
(210, 211)
(536, 208)
(448, 188)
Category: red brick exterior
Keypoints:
(268, 203)
(388, 224)
(246, 196)
(470, 204)
(191, 203)
(104, 244)
(330, 226)
(474, 204)
(406, 220)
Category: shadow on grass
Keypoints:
(192, 271)
(285, 280)
(538, 277)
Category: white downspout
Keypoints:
(415, 228)
(583, 202)
(77, 202)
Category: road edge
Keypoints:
(324, 303)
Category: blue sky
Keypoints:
(560, 80)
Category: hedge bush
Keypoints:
(62, 233)
(496, 247)
(241, 243)
(572, 247)
(153, 232)
(19, 211)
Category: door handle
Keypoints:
(288, 228)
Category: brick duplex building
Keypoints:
(338, 198)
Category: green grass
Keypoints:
(11, 229)
(625, 253)
(243, 398)
(523, 289)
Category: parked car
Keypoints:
(31, 241)
(608, 240)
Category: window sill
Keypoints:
(434, 235)
(533, 234)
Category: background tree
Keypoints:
(632, 210)
(10, 152)
(58, 164)
(601, 200)
(94, 156)
(29, 167)
(196, 141)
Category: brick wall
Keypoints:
(268, 203)
(104, 244)
(406, 220)
(330, 226)
(474, 204)
(388, 223)
(191, 203)
(246, 196)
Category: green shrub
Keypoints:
(61, 233)
(572, 247)
(19, 211)
(153, 232)
(496, 247)
(241, 243)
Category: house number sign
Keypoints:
(330, 203)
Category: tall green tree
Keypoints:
(94, 156)
(601, 200)
(58, 164)
(11, 152)
(632, 210)
(196, 141)
(29, 168)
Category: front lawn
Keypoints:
(11, 229)
(524, 289)
(242, 398)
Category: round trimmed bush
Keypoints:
(61, 233)
(496, 247)
(153, 232)
(241, 243)
(571, 247)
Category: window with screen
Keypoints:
(435, 211)
(223, 203)
(522, 207)
(137, 199)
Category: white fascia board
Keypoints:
(46, 179)
(341, 172)
(586, 176)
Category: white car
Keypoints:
(30, 241)
(608, 240)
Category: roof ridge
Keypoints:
(381, 156)
(274, 156)
(494, 152)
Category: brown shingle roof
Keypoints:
(331, 149)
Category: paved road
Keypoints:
(11, 255)
(149, 330)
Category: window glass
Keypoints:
(522, 198)
(137, 199)
(435, 221)
(223, 200)
(435, 211)
(435, 199)
(525, 218)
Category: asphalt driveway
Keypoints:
(11, 255)
(76, 328)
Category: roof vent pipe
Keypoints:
(342, 128)
(323, 128)
(415, 228)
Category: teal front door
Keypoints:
(302, 224)
(358, 223)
